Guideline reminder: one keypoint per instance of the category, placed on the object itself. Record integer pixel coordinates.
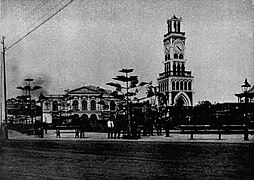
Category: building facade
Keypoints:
(87, 102)
(175, 82)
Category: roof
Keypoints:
(249, 93)
(175, 18)
(89, 90)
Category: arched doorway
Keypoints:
(182, 99)
(179, 112)
(93, 121)
(85, 121)
(179, 102)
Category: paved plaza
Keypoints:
(174, 136)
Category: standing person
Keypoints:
(117, 125)
(76, 133)
(159, 125)
(45, 125)
(110, 128)
(82, 131)
(58, 133)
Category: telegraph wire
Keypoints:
(38, 20)
(39, 25)
(43, 2)
(27, 29)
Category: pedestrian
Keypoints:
(117, 128)
(82, 131)
(58, 133)
(76, 133)
(159, 125)
(110, 128)
(45, 125)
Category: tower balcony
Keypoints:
(175, 73)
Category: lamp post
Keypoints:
(41, 99)
(27, 90)
(245, 88)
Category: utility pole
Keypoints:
(4, 89)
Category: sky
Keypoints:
(88, 42)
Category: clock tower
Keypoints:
(175, 82)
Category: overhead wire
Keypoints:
(7, 48)
(38, 20)
(28, 16)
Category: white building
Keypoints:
(87, 102)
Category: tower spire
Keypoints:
(174, 24)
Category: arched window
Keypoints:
(183, 68)
(174, 69)
(112, 105)
(181, 85)
(178, 68)
(55, 106)
(175, 56)
(181, 56)
(173, 85)
(185, 85)
(93, 105)
(189, 85)
(84, 105)
(47, 104)
(75, 105)
(177, 85)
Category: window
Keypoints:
(177, 85)
(174, 69)
(181, 56)
(185, 85)
(189, 85)
(183, 68)
(75, 105)
(181, 85)
(175, 56)
(55, 106)
(112, 105)
(84, 105)
(47, 104)
(173, 85)
(178, 69)
(93, 105)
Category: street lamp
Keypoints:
(41, 99)
(27, 89)
(245, 88)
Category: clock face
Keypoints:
(178, 47)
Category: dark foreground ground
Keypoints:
(32, 159)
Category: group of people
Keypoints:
(80, 133)
(113, 125)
